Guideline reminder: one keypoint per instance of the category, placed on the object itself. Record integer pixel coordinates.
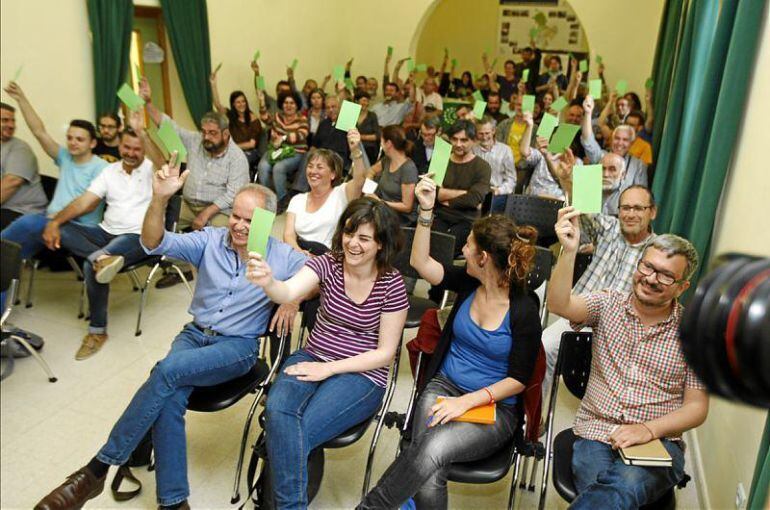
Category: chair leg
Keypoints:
(182, 276)
(549, 432)
(532, 474)
(236, 496)
(30, 284)
(523, 481)
(8, 364)
(143, 298)
(512, 491)
(76, 268)
(51, 378)
(82, 301)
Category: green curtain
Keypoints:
(188, 28)
(110, 22)
(711, 68)
(760, 484)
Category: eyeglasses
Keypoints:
(648, 269)
(635, 208)
(108, 126)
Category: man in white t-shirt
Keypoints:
(126, 187)
(428, 95)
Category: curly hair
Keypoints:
(511, 247)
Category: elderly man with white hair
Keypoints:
(620, 141)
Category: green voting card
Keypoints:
(563, 137)
(527, 103)
(595, 88)
(559, 104)
(598, 59)
(525, 75)
(533, 32)
(338, 73)
(410, 64)
(348, 117)
(440, 160)
(260, 82)
(256, 56)
(294, 64)
(478, 109)
(130, 98)
(18, 73)
(390, 51)
(259, 231)
(218, 68)
(152, 132)
(454, 62)
(587, 188)
(171, 140)
(583, 66)
(478, 96)
(421, 68)
(547, 125)
(621, 87)
(648, 84)
(349, 83)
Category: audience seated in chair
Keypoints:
(77, 168)
(486, 354)
(221, 343)
(500, 158)
(396, 175)
(338, 380)
(423, 146)
(126, 187)
(218, 169)
(313, 216)
(640, 388)
(22, 192)
(109, 126)
(466, 183)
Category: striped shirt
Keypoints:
(614, 260)
(344, 329)
(298, 126)
(638, 373)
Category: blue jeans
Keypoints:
(91, 242)
(27, 230)
(195, 359)
(604, 481)
(420, 471)
(280, 172)
(304, 415)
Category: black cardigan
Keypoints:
(524, 315)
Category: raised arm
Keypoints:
(561, 300)
(386, 73)
(525, 142)
(33, 121)
(302, 284)
(586, 129)
(215, 93)
(165, 182)
(428, 268)
(354, 187)
(146, 93)
(153, 153)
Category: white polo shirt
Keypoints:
(127, 196)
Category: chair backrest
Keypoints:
(49, 185)
(538, 212)
(173, 210)
(575, 361)
(541, 269)
(10, 265)
(442, 248)
(582, 261)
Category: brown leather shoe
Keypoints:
(91, 344)
(79, 487)
(184, 505)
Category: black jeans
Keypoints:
(421, 469)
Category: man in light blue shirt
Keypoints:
(220, 343)
(78, 166)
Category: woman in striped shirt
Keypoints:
(288, 143)
(339, 379)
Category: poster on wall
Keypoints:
(553, 28)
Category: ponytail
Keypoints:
(521, 255)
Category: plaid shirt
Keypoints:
(638, 374)
(614, 261)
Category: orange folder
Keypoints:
(485, 414)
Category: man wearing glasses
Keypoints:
(640, 388)
(618, 245)
(108, 143)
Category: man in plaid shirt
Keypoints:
(618, 243)
(640, 387)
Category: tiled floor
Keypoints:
(49, 430)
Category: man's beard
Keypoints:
(611, 187)
(212, 147)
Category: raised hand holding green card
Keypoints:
(259, 230)
(17, 73)
(130, 98)
(348, 116)
(479, 107)
(171, 140)
(559, 104)
(587, 188)
(338, 73)
(256, 56)
(583, 66)
(528, 103)
(410, 65)
(440, 160)
(218, 68)
(525, 75)
(390, 51)
(260, 82)
(648, 84)
(477, 95)
(547, 124)
(294, 64)
(595, 89)
(563, 137)
(621, 87)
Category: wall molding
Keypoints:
(699, 474)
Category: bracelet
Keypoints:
(425, 222)
(652, 434)
(424, 210)
(491, 397)
(356, 155)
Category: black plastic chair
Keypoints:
(539, 212)
(441, 249)
(573, 365)
(154, 262)
(10, 272)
